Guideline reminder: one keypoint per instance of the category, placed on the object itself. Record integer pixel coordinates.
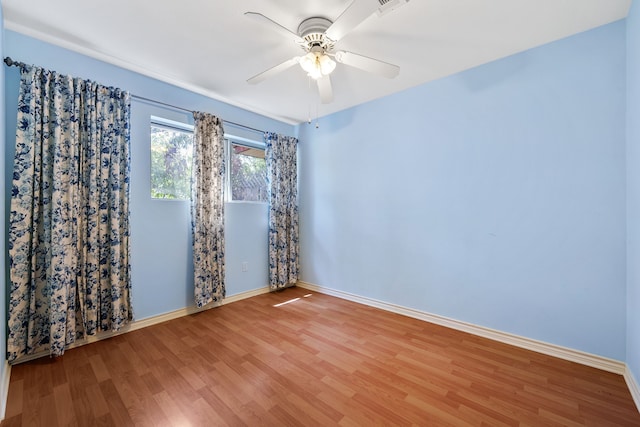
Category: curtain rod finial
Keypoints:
(11, 63)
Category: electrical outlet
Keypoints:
(245, 266)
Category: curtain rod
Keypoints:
(175, 107)
(10, 62)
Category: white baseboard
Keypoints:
(4, 389)
(633, 386)
(150, 321)
(595, 361)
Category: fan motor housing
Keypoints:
(312, 31)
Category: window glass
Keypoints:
(247, 173)
(171, 162)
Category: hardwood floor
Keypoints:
(302, 358)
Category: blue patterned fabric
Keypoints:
(282, 182)
(207, 209)
(69, 216)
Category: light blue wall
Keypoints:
(633, 190)
(3, 228)
(495, 196)
(160, 230)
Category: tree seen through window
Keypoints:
(171, 163)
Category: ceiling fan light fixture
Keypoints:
(317, 65)
(327, 65)
(308, 62)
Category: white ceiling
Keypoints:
(210, 47)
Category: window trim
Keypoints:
(171, 124)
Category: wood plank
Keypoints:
(14, 397)
(64, 402)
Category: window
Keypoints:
(171, 159)
(247, 172)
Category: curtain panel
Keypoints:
(69, 214)
(282, 181)
(207, 209)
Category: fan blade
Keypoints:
(353, 15)
(365, 63)
(273, 70)
(275, 26)
(324, 87)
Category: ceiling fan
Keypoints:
(317, 36)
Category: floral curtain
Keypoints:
(282, 182)
(69, 216)
(207, 209)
